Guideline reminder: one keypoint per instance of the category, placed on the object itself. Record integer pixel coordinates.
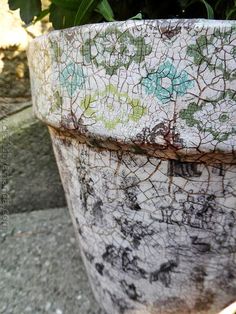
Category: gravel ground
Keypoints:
(41, 270)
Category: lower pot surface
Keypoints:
(157, 236)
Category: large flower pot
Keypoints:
(142, 116)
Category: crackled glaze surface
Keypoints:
(142, 116)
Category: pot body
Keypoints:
(142, 120)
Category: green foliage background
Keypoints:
(67, 13)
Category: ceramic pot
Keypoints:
(142, 116)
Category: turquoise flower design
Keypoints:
(167, 83)
(72, 77)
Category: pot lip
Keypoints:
(194, 23)
(129, 133)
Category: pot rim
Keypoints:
(196, 22)
(178, 143)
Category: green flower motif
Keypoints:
(72, 77)
(112, 107)
(167, 82)
(56, 50)
(56, 101)
(114, 49)
(214, 51)
(214, 119)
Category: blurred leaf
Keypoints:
(105, 10)
(217, 4)
(66, 4)
(60, 17)
(185, 3)
(137, 17)
(188, 3)
(210, 11)
(28, 8)
(41, 15)
(84, 11)
(67, 13)
(231, 14)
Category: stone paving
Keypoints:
(41, 270)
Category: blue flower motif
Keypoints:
(72, 77)
(167, 82)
